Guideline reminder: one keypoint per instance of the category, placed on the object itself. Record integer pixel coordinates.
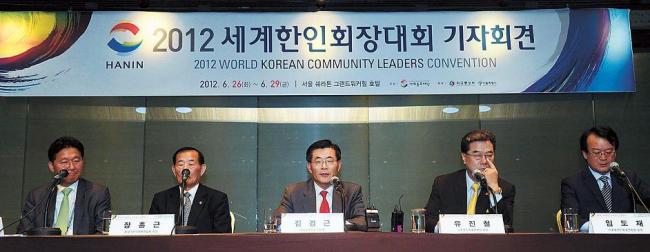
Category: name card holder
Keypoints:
(471, 224)
(142, 224)
(619, 223)
(312, 223)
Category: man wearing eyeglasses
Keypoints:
(318, 194)
(594, 189)
(460, 192)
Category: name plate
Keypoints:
(312, 223)
(142, 224)
(619, 223)
(2, 227)
(471, 224)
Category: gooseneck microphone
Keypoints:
(182, 228)
(616, 169)
(481, 178)
(185, 175)
(45, 230)
(338, 186)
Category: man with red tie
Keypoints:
(318, 194)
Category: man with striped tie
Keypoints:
(595, 189)
(204, 208)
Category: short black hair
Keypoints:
(322, 144)
(477, 135)
(62, 143)
(201, 158)
(605, 132)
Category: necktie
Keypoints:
(607, 192)
(471, 208)
(64, 212)
(187, 205)
(324, 206)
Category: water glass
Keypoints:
(270, 222)
(417, 220)
(570, 217)
(107, 215)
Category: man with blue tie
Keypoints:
(595, 189)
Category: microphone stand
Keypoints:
(339, 189)
(45, 230)
(181, 228)
(635, 194)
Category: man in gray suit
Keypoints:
(318, 195)
(77, 204)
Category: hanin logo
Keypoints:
(122, 30)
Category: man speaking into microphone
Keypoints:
(77, 205)
(323, 192)
(595, 188)
(205, 208)
(467, 191)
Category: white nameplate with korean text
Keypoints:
(471, 224)
(619, 223)
(142, 224)
(312, 223)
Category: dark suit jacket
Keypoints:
(301, 198)
(449, 196)
(581, 191)
(210, 212)
(92, 200)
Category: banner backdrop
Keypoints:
(315, 53)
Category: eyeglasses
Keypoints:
(606, 153)
(327, 162)
(479, 156)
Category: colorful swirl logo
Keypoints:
(119, 30)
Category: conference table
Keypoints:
(350, 241)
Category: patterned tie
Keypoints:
(607, 192)
(471, 208)
(64, 212)
(187, 205)
(324, 206)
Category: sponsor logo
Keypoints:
(127, 32)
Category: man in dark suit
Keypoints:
(460, 192)
(595, 189)
(209, 211)
(88, 201)
(318, 195)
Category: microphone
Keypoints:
(338, 186)
(45, 230)
(183, 228)
(185, 175)
(614, 166)
(478, 175)
(61, 175)
(336, 182)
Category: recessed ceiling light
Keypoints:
(450, 110)
(183, 110)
